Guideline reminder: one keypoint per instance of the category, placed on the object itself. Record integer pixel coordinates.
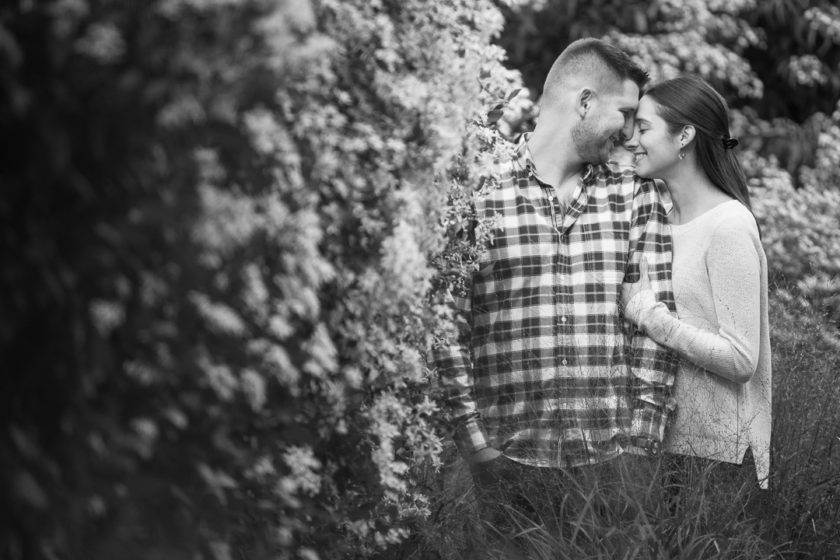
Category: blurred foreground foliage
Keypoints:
(223, 223)
(217, 221)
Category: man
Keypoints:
(543, 373)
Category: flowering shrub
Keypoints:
(696, 36)
(806, 70)
(825, 20)
(801, 237)
(218, 224)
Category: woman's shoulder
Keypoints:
(733, 221)
(733, 214)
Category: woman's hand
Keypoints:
(638, 298)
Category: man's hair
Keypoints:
(592, 60)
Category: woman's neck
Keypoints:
(692, 194)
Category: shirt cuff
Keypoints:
(470, 437)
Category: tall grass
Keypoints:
(685, 509)
(805, 509)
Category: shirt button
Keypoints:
(563, 318)
(565, 362)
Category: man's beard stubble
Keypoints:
(592, 145)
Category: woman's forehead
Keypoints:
(646, 109)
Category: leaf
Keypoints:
(217, 480)
(494, 116)
(220, 550)
(308, 554)
(24, 444)
(27, 490)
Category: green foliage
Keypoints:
(800, 236)
(217, 222)
(666, 36)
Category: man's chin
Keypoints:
(597, 157)
(597, 154)
(605, 155)
(622, 157)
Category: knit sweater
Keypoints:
(721, 332)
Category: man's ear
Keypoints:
(584, 101)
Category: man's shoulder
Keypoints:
(501, 177)
(623, 178)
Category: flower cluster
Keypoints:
(806, 70)
(825, 20)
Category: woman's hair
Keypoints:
(690, 100)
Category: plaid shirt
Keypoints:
(543, 368)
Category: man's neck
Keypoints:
(554, 157)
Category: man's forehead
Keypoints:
(630, 91)
(625, 93)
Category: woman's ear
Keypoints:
(687, 135)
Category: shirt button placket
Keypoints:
(561, 307)
(560, 282)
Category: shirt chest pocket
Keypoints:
(603, 272)
(517, 270)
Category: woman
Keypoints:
(721, 330)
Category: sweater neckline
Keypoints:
(700, 218)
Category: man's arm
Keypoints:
(454, 362)
(652, 367)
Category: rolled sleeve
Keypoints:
(453, 361)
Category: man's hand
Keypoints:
(485, 455)
(489, 468)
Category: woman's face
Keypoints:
(656, 148)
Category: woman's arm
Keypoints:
(735, 276)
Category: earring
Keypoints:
(682, 153)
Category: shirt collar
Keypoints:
(525, 160)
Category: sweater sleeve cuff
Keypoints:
(659, 324)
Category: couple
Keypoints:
(602, 313)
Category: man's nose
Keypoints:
(632, 142)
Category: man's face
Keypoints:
(608, 122)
